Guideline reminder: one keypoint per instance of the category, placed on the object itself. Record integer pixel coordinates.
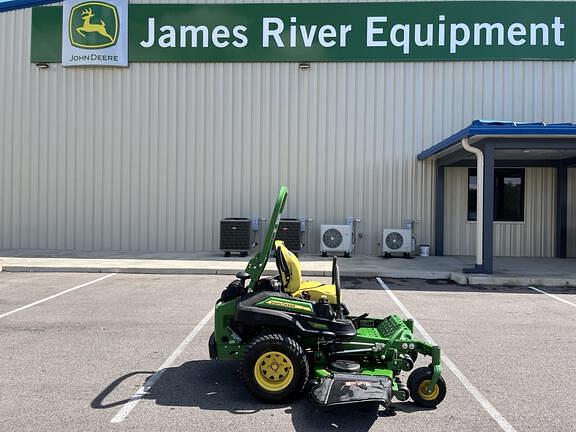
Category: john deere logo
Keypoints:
(94, 25)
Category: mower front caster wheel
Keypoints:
(275, 368)
(418, 385)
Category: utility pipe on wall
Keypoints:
(479, 197)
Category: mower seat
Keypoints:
(291, 277)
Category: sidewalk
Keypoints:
(508, 270)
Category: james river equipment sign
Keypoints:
(419, 31)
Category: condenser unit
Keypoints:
(235, 235)
(336, 238)
(290, 233)
(397, 241)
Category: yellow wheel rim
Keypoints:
(273, 371)
(423, 391)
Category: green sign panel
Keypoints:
(420, 31)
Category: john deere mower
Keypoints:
(293, 336)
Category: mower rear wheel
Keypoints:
(418, 382)
(275, 367)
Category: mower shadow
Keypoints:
(217, 386)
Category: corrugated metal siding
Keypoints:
(572, 212)
(150, 158)
(534, 237)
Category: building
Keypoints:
(151, 157)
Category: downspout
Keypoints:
(479, 198)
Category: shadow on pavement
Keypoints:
(217, 386)
(442, 285)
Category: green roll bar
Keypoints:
(256, 265)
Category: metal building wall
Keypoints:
(571, 212)
(151, 157)
(533, 237)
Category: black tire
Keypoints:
(415, 381)
(291, 349)
(212, 347)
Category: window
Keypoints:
(508, 194)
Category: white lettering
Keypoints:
(151, 37)
(268, 32)
(220, 32)
(327, 32)
(456, 41)
(429, 35)
(405, 41)
(558, 26)
(441, 30)
(514, 31)
(241, 39)
(371, 32)
(534, 34)
(488, 28)
(168, 39)
(308, 37)
(193, 30)
(344, 29)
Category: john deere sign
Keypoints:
(419, 31)
(93, 25)
(93, 33)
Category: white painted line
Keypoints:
(552, 295)
(488, 407)
(143, 391)
(56, 295)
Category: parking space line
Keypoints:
(488, 407)
(552, 295)
(143, 390)
(56, 295)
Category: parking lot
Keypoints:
(76, 348)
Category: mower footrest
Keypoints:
(342, 388)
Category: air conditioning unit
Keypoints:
(336, 238)
(235, 235)
(397, 241)
(289, 232)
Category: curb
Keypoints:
(458, 278)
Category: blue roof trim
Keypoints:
(10, 5)
(496, 127)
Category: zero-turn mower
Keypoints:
(293, 336)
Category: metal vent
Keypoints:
(235, 234)
(394, 240)
(289, 232)
(332, 238)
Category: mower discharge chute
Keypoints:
(293, 336)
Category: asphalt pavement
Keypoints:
(76, 348)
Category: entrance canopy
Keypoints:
(492, 144)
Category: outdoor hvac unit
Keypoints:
(336, 238)
(289, 232)
(397, 241)
(235, 235)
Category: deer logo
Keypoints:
(88, 27)
(93, 25)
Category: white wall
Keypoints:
(150, 158)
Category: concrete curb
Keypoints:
(145, 270)
(211, 271)
(459, 278)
